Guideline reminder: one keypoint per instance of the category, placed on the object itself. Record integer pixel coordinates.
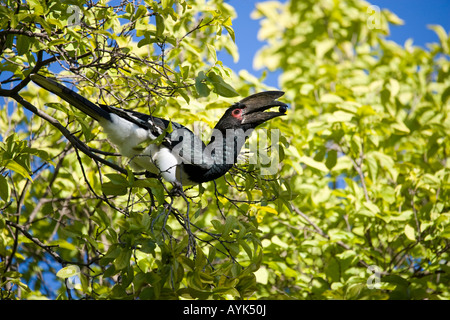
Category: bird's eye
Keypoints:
(236, 112)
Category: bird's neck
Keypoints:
(220, 153)
(225, 145)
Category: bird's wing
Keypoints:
(179, 139)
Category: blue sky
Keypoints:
(416, 14)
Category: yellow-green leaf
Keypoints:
(371, 207)
(324, 46)
(267, 209)
(410, 233)
(14, 166)
(442, 34)
(310, 162)
(67, 272)
(330, 98)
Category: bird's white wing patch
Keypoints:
(125, 135)
(167, 163)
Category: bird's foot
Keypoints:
(177, 189)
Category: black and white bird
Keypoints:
(181, 156)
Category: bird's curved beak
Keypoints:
(257, 104)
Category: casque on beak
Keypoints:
(256, 105)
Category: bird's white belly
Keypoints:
(134, 143)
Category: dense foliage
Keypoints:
(358, 207)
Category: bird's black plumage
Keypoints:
(181, 156)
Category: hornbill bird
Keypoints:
(166, 148)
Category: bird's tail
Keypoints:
(70, 96)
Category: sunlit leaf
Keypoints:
(410, 233)
(67, 272)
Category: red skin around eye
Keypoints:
(237, 113)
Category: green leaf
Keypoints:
(230, 30)
(310, 162)
(324, 46)
(113, 189)
(5, 191)
(445, 95)
(116, 178)
(36, 6)
(262, 276)
(67, 272)
(200, 86)
(129, 9)
(218, 226)
(246, 247)
(442, 34)
(394, 87)
(212, 52)
(229, 225)
(330, 98)
(145, 183)
(14, 166)
(212, 253)
(22, 44)
(386, 162)
(160, 26)
(372, 207)
(221, 87)
(331, 159)
(430, 180)
(393, 18)
(146, 40)
(146, 221)
(112, 253)
(372, 164)
(185, 72)
(166, 3)
(123, 259)
(141, 10)
(400, 127)
(410, 232)
(61, 243)
(276, 240)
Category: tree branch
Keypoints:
(36, 241)
(323, 234)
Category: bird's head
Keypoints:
(250, 112)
